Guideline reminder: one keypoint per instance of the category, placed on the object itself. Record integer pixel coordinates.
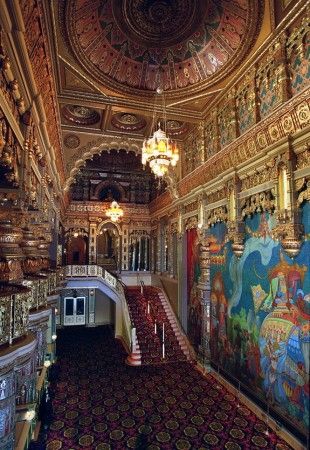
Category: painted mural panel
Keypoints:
(260, 311)
(193, 301)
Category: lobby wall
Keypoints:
(260, 311)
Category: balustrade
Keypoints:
(16, 301)
(39, 288)
(14, 312)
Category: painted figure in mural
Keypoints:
(219, 347)
(264, 340)
(285, 352)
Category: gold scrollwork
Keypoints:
(263, 201)
(216, 215)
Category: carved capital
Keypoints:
(236, 234)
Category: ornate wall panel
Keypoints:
(39, 54)
(193, 154)
(298, 54)
(227, 120)
(211, 140)
(246, 102)
(10, 155)
(294, 116)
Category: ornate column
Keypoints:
(158, 250)
(289, 228)
(235, 225)
(204, 289)
(147, 253)
(139, 252)
(133, 243)
(92, 248)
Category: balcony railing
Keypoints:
(16, 301)
(92, 271)
(39, 289)
(14, 312)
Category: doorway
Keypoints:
(77, 249)
(74, 311)
(108, 247)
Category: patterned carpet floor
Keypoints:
(101, 403)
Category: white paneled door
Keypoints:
(74, 311)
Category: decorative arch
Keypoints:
(108, 221)
(115, 186)
(78, 160)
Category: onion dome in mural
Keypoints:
(135, 45)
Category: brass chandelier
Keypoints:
(159, 150)
(114, 212)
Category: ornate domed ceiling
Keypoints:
(135, 45)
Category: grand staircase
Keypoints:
(158, 337)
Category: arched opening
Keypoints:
(108, 247)
(110, 193)
(77, 250)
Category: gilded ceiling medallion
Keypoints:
(176, 127)
(194, 42)
(80, 115)
(128, 122)
(72, 141)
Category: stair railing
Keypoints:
(189, 345)
(115, 284)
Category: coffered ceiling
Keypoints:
(110, 57)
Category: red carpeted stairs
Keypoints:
(145, 310)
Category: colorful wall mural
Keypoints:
(194, 322)
(260, 311)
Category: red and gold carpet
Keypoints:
(101, 403)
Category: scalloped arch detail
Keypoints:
(94, 148)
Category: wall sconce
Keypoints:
(91, 292)
(30, 415)
(47, 363)
(54, 337)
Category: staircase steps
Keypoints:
(148, 345)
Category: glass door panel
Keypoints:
(74, 311)
(80, 310)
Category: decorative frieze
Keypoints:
(190, 207)
(262, 201)
(248, 145)
(192, 222)
(216, 215)
(303, 190)
(216, 196)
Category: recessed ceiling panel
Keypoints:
(136, 45)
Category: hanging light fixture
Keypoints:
(115, 212)
(159, 150)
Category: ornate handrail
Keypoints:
(76, 271)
